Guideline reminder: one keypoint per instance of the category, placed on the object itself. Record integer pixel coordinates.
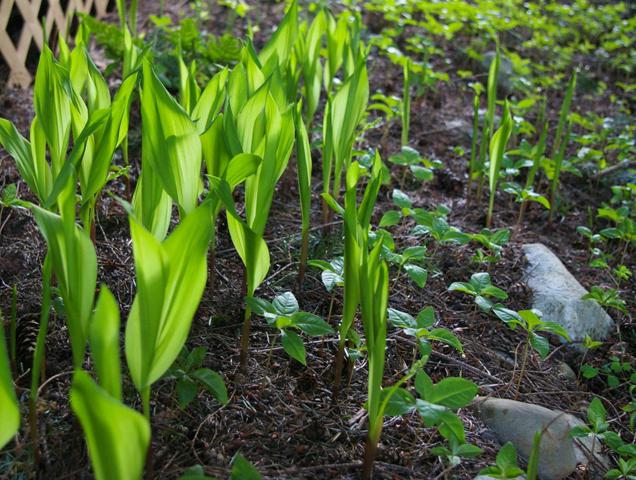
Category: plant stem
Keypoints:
(369, 458)
(304, 252)
(522, 372)
(38, 356)
(13, 327)
(522, 211)
(245, 331)
(338, 371)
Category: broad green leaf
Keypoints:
(104, 343)
(540, 344)
(117, 436)
(32, 166)
(285, 304)
(52, 94)
(311, 324)
(400, 403)
(416, 273)
(242, 469)
(186, 391)
(293, 345)
(390, 218)
(171, 277)
(453, 392)
(8, 400)
(75, 267)
(213, 383)
(173, 140)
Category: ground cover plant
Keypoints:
(291, 238)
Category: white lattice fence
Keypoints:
(31, 12)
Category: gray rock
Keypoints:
(566, 372)
(557, 294)
(506, 70)
(517, 422)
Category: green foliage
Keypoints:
(506, 464)
(117, 436)
(187, 370)
(481, 288)
(170, 281)
(8, 400)
(284, 314)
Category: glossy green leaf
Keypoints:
(104, 343)
(171, 277)
(117, 436)
(8, 400)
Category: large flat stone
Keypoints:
(558, 295)
(517, 422)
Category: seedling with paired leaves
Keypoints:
(191, 377)
(481, 289)
(284, 314)
(531, 322)
(422, 328)
(506, 466)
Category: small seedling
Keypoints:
(284, 314)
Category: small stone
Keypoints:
(517, 422)
(557, 294)
(566, 372)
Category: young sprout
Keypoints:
(531, 322)
(357, 220)
(117, 436)
(498, 144)
(171, 277)
(481, 288)
(284, 314)
(564, 128)
(406, 103)
(8, 400)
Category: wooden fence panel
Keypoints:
(55, 18)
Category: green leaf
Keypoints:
(8, 400)
(596, 412)
(260, 306)
(242, 469)
(416, 273)
(311, 324)
(390, 218)
(507, 458)
(401, 199)
(104, 343)
(294, 346)
(186, 391)
(447, 337)
(424, 174)
(117, 436)
(285, 304)
(195, 472)
(423, 384)
(426, 317)
(75, 267)
(170, 281)
(400, 403)
(173, 140)
(213, 383)
(453, 392)
(540, 344)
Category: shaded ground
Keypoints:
(280, 414)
